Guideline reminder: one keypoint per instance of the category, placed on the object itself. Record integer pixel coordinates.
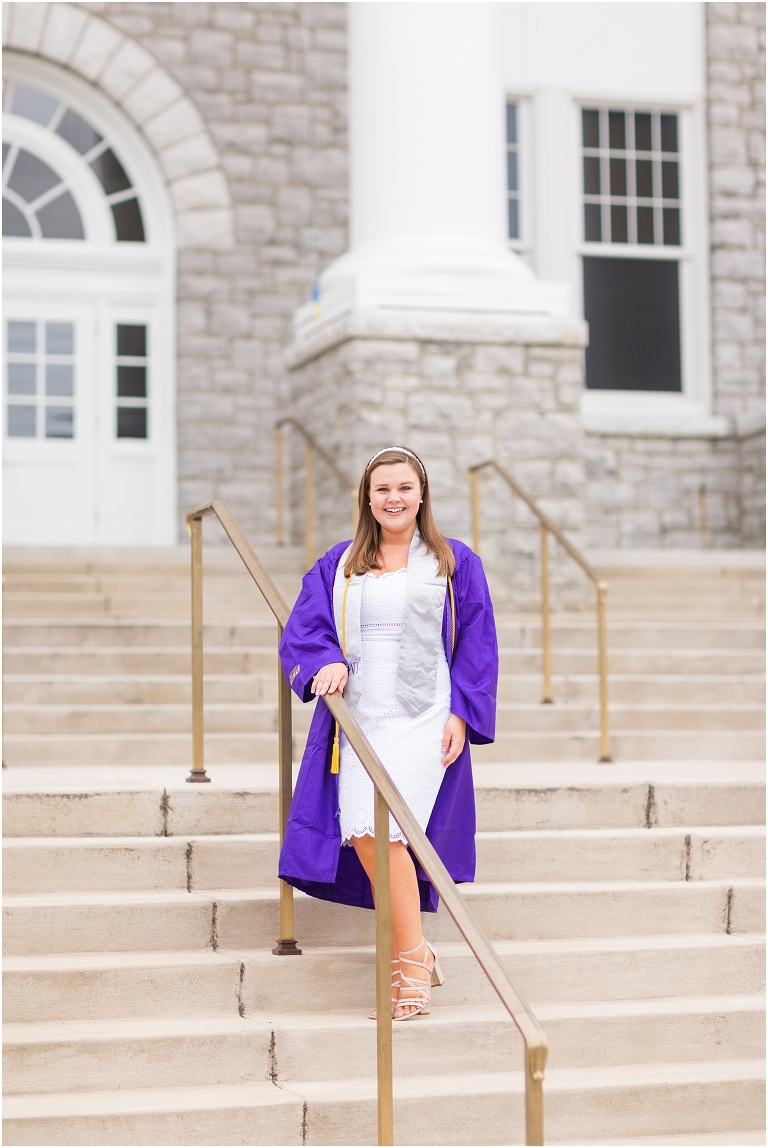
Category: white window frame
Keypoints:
(526, 194)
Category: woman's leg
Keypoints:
(404, 896)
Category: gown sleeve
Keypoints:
(475, 662)
(309, 639)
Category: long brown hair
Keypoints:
(364, 555)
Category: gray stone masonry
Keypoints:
(455, 401)
(269, 81)
(736, 104)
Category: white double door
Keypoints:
(89, 444)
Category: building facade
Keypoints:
(532, 232)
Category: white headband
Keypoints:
(404, 450)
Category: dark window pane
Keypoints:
(61, 219)
(514, 219)
(31, 177)
(14, 222)
(590, 127)
(671, 216)
(593, 232)
(59, 422)
(512, 123)
(591, 175)
(132, 382)
(6, 149)
(22, 337)
(78, 132)
(633, 312)
(643, 131)
(131, 422)
(22, 422)
(131, 340)
(33, 104)
(618, 177)
(670, 187)
(512, 171)
(110, 172)
(669, 133)
(619, 232)
(617, 130)
(645, 225)
(129, 226)
(21, 378)
(644, 178)
(59, 379)
(59, 338)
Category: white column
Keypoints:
(427, 170)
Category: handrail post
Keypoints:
(279, 485)
(309, 525)
(198, 746)
(475, 480)
(534, 1102)
(546, 640)
(384, 1100)
(286, 944)
(602, 642)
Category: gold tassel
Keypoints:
(335, 751)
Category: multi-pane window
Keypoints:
(36, 202)
(40, 379)
(513, 172)
(631, 166)
(131, 381)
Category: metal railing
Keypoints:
(311, 448)
(548, 527)
(387, 799)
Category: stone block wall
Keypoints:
(269, 81)
(736, 105)
(456, 391)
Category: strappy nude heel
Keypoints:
(394, 984)
(421, 1002)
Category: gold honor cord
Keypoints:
(335, 752)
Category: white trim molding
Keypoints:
(148, 94)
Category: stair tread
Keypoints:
(329, 1091)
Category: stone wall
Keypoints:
(457, 391)
(269, 81)
(736, 103)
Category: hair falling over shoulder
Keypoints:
(365, 547)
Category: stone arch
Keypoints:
(154, 101)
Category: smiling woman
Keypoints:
(400, 621)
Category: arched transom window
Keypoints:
(37, 201)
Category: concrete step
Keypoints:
(175, 689)
(175, 660)
(227, 918)
(477, 1108)
(512, 634)
(124, 864)
(107, 801)
(81, 1056)
(257, 748)
(261, 717)
(102, 986)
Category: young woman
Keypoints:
(400, 621)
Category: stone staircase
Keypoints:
(142, 1002)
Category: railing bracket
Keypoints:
(198, 775)
(287, 949)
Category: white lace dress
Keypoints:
(409, 747)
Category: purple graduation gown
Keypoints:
(312, 857)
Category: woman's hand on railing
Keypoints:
(330, 679)
(454, 736)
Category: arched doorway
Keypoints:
(89, 325)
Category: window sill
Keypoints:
(649, 414)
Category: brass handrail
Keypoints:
(548, 527)
(387, 799)
(311, 447)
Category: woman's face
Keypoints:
(395, 494)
